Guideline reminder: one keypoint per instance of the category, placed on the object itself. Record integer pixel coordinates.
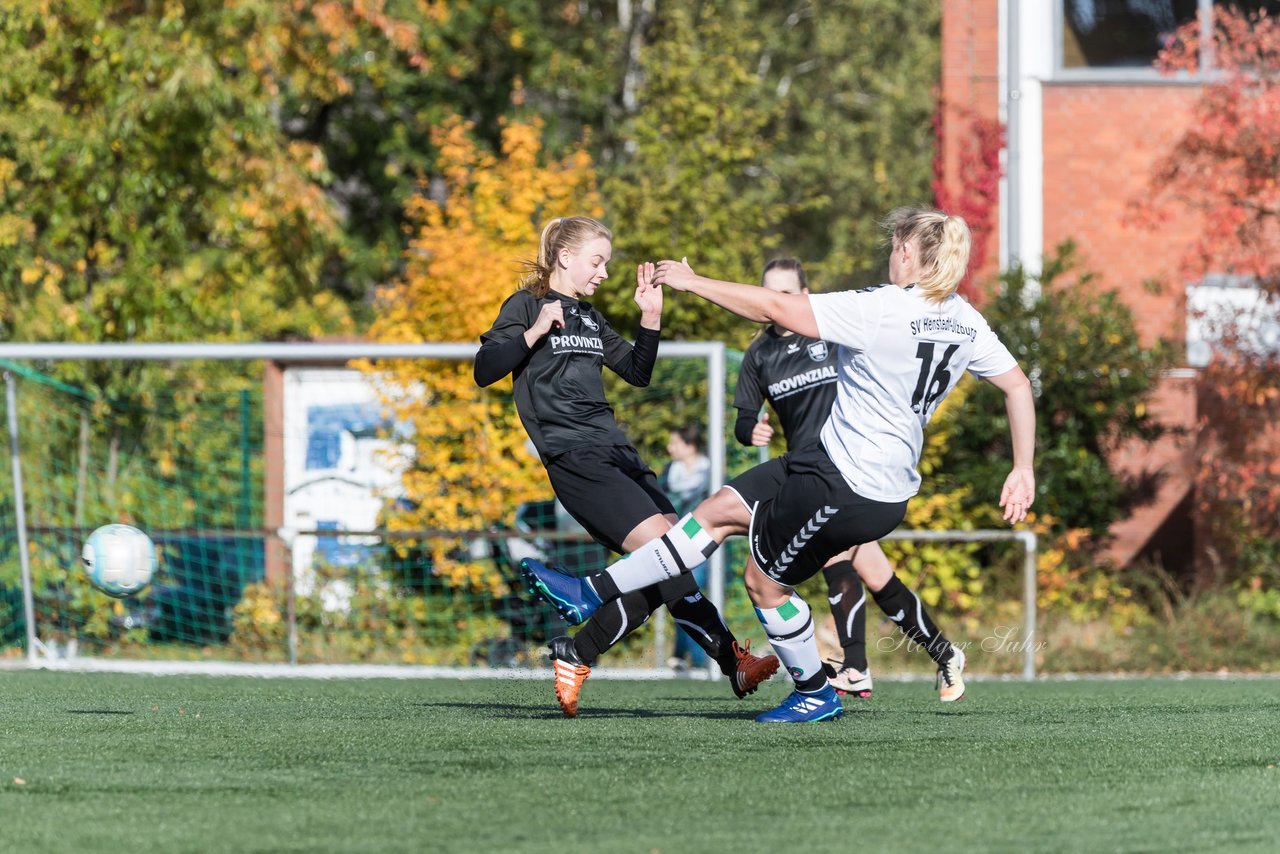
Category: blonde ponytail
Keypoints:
(942, 241)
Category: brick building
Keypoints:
(1086, 117)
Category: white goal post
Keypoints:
(301, 354)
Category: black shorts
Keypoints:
(803, 513)
(608, 489)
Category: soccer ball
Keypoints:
(119, 560)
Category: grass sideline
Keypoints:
(108, 762)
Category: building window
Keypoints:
(1120, 33)
(1230, 313)
(1123, 37)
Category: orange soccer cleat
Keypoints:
(751, 670)
(571, 672)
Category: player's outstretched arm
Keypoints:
(634, 363)
(1020, 486)
(789, 311)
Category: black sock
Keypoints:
(614, 621)
(700, 619)
(813, 684)
(604, 586)
(848, 607)
(905, 608)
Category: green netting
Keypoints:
(179, 450)
(185, 466)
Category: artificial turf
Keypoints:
(101, 762)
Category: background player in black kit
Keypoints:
(555, 346)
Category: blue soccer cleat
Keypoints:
(800, 708)
(573, 598)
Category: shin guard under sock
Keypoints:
(611, 623)
(679, 550)
(697, 615)
(789, 628)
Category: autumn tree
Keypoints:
(1225, 169)
(149, 191)
(694, 180)
(820, 126)
(750, 130)
(470, 468)
(150, 195)
(436, 60)
(855, 85)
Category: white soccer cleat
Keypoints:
(950, 682)
(851, 680)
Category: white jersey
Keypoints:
(899, 357)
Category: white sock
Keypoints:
(679, 550)
(791, 633)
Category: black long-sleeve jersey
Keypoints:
(797, 375)
(559, 383)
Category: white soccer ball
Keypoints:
(119, 560)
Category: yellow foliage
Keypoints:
(257, 621)
(470, 468)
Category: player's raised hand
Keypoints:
(648, 292)
(676, 274)
(1017, 495)
(762, 433)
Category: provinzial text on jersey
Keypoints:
(559, 342)
(942, 324)
(827, 373)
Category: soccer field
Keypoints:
(100, 762)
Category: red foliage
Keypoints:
(1238, 460)
(1225, 168)
(980, 170)
(1226, 165)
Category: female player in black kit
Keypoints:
(555, 345)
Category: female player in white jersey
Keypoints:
(555, 345)
(797, 375)
(903, 348)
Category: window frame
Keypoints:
(1220, 300)
(1126, 74)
